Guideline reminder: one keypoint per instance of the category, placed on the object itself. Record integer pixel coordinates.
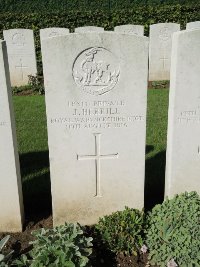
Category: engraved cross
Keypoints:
(21, 67)
(98, 157)
(164, 59)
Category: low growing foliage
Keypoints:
(4, 259)
(122, 231)
(36, 83)
(61, 246)
(59, 5)
(173, 232)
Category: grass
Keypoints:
(156, 146)
(33, 148)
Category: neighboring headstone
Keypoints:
(96, 114)
(193, 25)
(11, 202)
(183, 146)
(21, 55)
(52, 32)
(89, 29)
(160, 50)
(131, 29)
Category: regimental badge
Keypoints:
(96, 70)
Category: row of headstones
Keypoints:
(22, 59)
(96, 99)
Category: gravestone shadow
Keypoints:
(154, 180)
(37, 188)
(148, 149)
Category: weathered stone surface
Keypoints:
(52, 32)
(11, 203)
(160, 50)
(131, 29)
(89, 29)
(21, 55)
(193, 25)
(183, 146)
(96, 111)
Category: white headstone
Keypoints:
(193, 25)
(96, 110)
(21, 55)
(160, 50)
(131, 29)
(183, 146)
(11, 203)
(89, 29)
(52, 32)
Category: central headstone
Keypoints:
(96, 98)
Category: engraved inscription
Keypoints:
(164, 34)
(97, 115)
(2, 123)
(21, 67)
(96, 71)
(18, 39)
(189, 116)
(132, 31)
(53, 34)
(98, 157)
(95, 111)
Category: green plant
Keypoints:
(159, 84)
(17, 90)
(36, 83)
(59, 5)
(122, 231)
(4, 259)
(173, 232)
(61, 246)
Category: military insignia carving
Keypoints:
(96, 71)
